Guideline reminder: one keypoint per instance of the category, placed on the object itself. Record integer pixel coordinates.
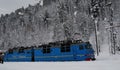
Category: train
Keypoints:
(70, 50)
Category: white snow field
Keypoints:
(104, 62)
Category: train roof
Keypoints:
(53, 44)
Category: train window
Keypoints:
(21, 50)
(62, 49)
(46, 49)
(65, 49)
(80, 47)
(88, 46)
(10, 51)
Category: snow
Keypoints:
(99, 64)
(41, 2)
(75, 13)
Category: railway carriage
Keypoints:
(55, 51)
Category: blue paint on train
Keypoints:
(60, 52)
(15, 55)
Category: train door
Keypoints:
(81, 52)
(74, 52)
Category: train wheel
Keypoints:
(93, 59)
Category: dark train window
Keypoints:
(88, 46)
(21, 50)
(10, 51)
(62, 49)
(81, 47)
(65, 48)
(46, 49)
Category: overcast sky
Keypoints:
(7, 6)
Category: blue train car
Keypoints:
(18, 54)
(56, 51)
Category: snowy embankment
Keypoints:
(104, 61)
